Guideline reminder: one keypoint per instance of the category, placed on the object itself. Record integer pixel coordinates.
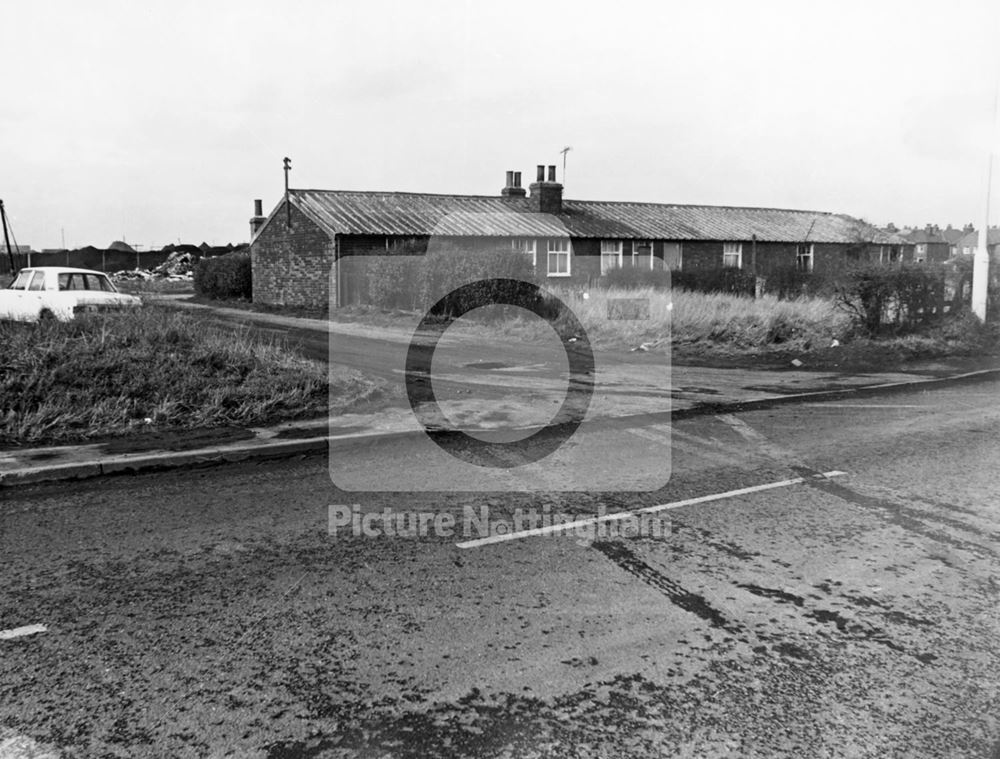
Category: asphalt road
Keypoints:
(212, 613)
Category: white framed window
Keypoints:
(558, 257)
(804, 257)
(527, 246)
(642, 248)
(611, 255)
(732, 254)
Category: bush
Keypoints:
(228, 276)
(897, 298)
(791, 282)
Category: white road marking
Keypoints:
(20, 632)
(646, 510)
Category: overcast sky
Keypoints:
(160, 121)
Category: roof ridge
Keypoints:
(707, 205)
(570, 200)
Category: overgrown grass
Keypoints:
(691, 317)
(154, 369)
(680, 317)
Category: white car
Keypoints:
(56, 292)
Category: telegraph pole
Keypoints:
(6, 239)
(981, 261)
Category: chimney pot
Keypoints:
(541, 173)
(513, 188)
(258, 218)
(552, 173)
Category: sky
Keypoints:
(161, 121)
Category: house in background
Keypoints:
(302, 253)
(929, 244)
(953, 236)
(968, 244)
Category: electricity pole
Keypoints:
(981, 262)
(564, 151)
(6, 239)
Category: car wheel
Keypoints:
(46, 317)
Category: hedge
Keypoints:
(227, 276)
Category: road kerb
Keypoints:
(276, 449)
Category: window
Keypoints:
(558, 258)
(38, 281)
(804, 257)
(732, 254)
(21, 282)
(527, 246)
(98, 282)
(641, 248)
(611, 255)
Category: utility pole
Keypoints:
(981, 262)
(6, 238)
(288, 207)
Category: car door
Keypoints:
(34, 295)
(12, 296)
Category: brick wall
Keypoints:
(292, 267)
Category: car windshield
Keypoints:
(20, 281)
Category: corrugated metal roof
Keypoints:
(416, 214)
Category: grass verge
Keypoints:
(155, 369)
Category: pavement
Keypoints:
(639, 388)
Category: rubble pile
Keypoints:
(179, 266)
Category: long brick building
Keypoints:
(302, 252)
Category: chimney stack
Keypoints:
(513, 188)
(546, 196)
(258, 218)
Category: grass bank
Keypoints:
(684, 317)
(155, 369)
